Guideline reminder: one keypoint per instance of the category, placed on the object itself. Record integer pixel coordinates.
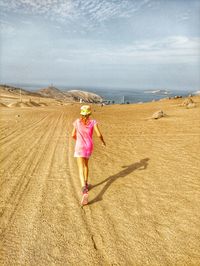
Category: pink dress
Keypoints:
(84, 142)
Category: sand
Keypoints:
(144, 202)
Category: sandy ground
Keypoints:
(144, 202)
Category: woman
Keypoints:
(82, 133)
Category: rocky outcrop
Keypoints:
(85, 96)
(188, 103)
(158, 114)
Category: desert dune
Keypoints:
(144, 198)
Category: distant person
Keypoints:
(82, 133)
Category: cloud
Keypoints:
(7, 28)
(36, 6)
(184, 16)
(95, 11)
(170, 50)
(82, 16)
(173, 49)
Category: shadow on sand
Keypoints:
(141, 165)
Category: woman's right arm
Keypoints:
(74, 133)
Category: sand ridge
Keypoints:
(144, 198)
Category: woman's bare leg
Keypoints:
(83, 169)
(80, 162)
(83, 174)
(86, 169)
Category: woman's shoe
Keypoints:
(84, 200)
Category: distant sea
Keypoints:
(118, 95)
(136, 95)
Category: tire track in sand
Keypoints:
(9, 136)
(13, 143)
(27, 170)
(33, 138)
(8, 168)
(12, 169)
(17, 246)
(20, 137)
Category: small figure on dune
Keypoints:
(82, 133)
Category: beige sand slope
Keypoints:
(145, 198)
(3, 105)
(11, 98)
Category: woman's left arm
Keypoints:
(97, 130)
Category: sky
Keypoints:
(139, 44)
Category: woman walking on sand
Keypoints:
(82, 133)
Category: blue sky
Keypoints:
(101, 43)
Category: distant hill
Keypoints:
(72, 95)
(53, 93)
